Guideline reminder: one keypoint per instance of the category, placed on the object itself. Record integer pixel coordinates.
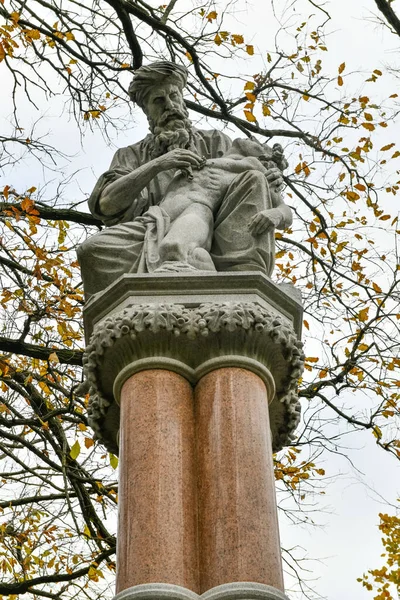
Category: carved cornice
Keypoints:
(193, 341)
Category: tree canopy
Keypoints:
(58, 485)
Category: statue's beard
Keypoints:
(174, 130)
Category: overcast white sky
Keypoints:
(347, 542)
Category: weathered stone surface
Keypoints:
(183, 199)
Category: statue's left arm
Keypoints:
(279, 216)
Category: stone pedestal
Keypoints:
(193, 383)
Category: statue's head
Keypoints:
(157, 89)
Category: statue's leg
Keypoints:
(234, 248)
(189, 239)
(107, 255)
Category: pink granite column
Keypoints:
(157, 538)
(238, 525)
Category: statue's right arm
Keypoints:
(120, 194)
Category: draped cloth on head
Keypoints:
(152, 75)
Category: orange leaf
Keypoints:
(363, 314)
(249, 116)
(368, 126)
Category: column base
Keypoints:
(245, 590)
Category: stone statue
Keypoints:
(182, 198)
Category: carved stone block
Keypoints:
(193, 324)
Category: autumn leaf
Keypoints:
(249, 116)
(342, 68)
(250, 49)
(266, 110)
(369, 126)
(75, 450)
(363, 314)
(113, 461)
(211, 16)
(53, 358)
(237, 39)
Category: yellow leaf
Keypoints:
(340, 80)
(86, 531)
(75, 450)
(250, 85)
(212, 16)
(363, 314)
(237, 38)
(376, 287)
(352, 196)
(266, 110)
(250, 50)
(251, 97)
(70, 36)
(113, 461)
(88, 442)
(53, 358)
(306, 325)
(363, 347)
(249, 116)
(342, 68)
(323, 374)
(387, 147)
(368, 126)
(341, 246)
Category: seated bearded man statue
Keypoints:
(182, 198)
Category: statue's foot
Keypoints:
(174, 266)
(200, 259)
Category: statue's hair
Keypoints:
(149, 76)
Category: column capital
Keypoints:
(193, 328)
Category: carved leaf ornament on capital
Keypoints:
(193, 341)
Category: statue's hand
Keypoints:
(274, 177)
(264, 220)
(179, 158)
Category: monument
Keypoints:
(193, 353)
